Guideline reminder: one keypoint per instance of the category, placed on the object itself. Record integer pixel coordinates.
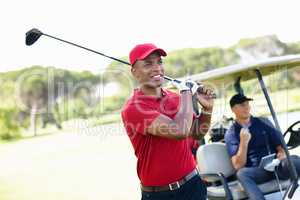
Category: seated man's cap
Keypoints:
(238, 99)
(141, 51)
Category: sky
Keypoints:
(113, 27)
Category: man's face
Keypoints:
(242, 110)
(149, 72)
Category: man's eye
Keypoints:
(160, 62)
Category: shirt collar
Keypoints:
(240, 126)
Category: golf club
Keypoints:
(34, 34)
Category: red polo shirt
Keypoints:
(160, 160)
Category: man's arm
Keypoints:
(179, 127)
(201, 124)
(239, 160)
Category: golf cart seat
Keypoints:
(218, 130)
(216, 169)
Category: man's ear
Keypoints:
(233, 109)
(133, 71)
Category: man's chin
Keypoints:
(156, 84)
(246, 117)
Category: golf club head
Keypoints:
(32, 36)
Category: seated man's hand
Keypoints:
(280, 153)
(245, 136)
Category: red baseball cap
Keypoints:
(141, 51)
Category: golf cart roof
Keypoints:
(247, 70)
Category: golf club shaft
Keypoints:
(116, 59)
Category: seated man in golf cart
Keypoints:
(248, 140)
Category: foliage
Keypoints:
(70, 94)
(8, 128)
(121, 74)
(109, 105)
(190, 61)
(42, 88)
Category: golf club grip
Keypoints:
(200, 89)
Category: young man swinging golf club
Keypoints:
(159, 124)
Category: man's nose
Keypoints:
(157, 67)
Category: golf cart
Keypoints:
(213, 160)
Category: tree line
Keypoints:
(65, 94)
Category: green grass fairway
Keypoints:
(87, 164)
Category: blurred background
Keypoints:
(61, 135)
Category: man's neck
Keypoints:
(152, 91)
(243, 122)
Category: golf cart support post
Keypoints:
(294, 176)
